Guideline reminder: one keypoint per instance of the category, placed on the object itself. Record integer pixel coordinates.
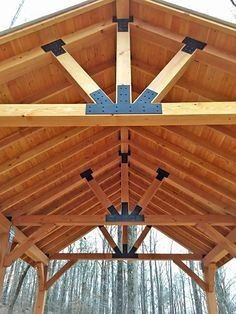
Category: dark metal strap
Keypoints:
(55, 47)
(192, 44)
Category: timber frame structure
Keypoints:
(118, 113)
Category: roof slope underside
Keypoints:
(40, 167)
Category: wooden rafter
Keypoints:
(183, 113)
(173, 41)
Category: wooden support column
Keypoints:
(3, 251)
(42, 272)
(209, 274)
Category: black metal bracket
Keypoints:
(124, 157)
(122, 23)
(143, 105)
(192, 44)
(115, 216)
(161, 174)
(87, 175)
(55, 47)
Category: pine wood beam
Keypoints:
(197, 113)
(209, 275)
(149, 219)
(202, 284)
(59, 273)
(42, 272)
(171, 73)
(217, 253)
(122, 9)
(108, 256)
(173, 41)
(218, 238)
(123, 59)
(34, 252)
(20, 249)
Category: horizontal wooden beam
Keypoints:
(98, 220)
(182, 113)
(109, 256)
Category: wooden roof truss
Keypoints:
(113, 160)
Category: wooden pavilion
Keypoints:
(118, 113)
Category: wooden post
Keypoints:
(3, 251)
(209, 273)
(42, 272)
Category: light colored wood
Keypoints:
(123, 61)
(59, 273)
(20, 249)
(107, 256)
(219, 252)
(209, 275)
(97, 220)
(23, 63)
(78, 74)
(218, 238)
(171, 40)
(171, 73)
(198, 113)
(34, 252)
(107, 236)
(40, 149)
(189, 272)
(122, 9)
(42, 272)
(4, 247)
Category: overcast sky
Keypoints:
(33, 9)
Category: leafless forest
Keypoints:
(104, 287)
